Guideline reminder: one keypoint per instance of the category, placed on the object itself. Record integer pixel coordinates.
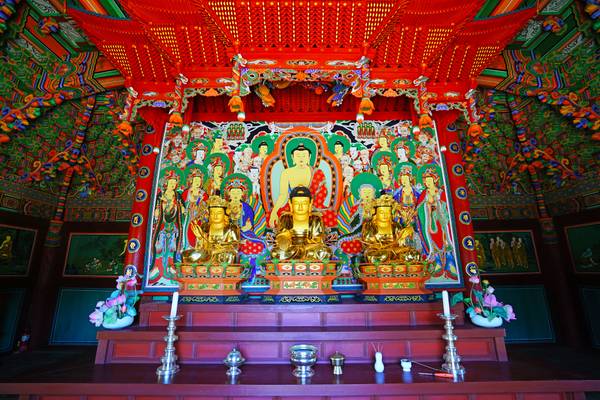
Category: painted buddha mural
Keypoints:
(385, 240)
(217, 239)
(304, 161)
(300, 233)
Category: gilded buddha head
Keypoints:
(383, 210)
(301, 203)
(216, 210)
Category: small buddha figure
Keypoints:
(300, 233)
(217, 239)
(385, 240)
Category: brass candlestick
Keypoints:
(451, 358)
(169, 365)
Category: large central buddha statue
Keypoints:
(300, 232)
(386, 240)
(217, 239)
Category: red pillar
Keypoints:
(140, 211)
(458, 188)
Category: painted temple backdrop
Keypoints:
(349, 164)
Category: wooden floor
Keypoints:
(534, 373)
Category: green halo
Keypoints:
(333, 139)
(167, 171)
(403, 142)
(365, 178)
(224, 159)
(436, 168)
(239, 177)
(379, 155)
(189, 150)
(295, 142)
(257, 141)
(192, 170)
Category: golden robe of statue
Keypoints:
(384, 239)
(300, 233)
(216, 240)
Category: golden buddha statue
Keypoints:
(301, 233)
(216, 240)
(386, 240)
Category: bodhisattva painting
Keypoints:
(252, 193)
(95, 254)
(506, 252)
(584, 246)
(16, 246)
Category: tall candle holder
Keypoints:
(451, 358)
(169, 365)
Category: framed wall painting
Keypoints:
(95, 254)
(16, 248)
(584, 247)
(506, 252)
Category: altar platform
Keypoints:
(264, 333)
(534, 373)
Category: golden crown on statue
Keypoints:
(384, 201)
(216, 201)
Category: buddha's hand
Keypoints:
(284, 240)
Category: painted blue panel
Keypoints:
(11, 305)
(71, 324)
(533, 323)
(590, 297)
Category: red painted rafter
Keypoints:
(406, 38)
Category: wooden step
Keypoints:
(348, 313)
(267, 345)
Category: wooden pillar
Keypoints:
(140, 211)
(449, 142)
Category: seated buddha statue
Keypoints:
(217, 239)
(300, 233)
(385, 240)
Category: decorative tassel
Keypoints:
(366, 106)
(360, 117)
(4, 138)
(176, 119)
(124, 128)
(425, 121)
(475, 130)
(235, 104)
(241, 116)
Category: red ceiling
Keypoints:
(404, 39)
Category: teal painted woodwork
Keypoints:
(533, 323)
(71, 324)
(590, 298)
(11, 304)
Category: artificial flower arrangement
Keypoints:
(483, 307)
(118, 310)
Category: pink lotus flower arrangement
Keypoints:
(118, 310)
(483, 302)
